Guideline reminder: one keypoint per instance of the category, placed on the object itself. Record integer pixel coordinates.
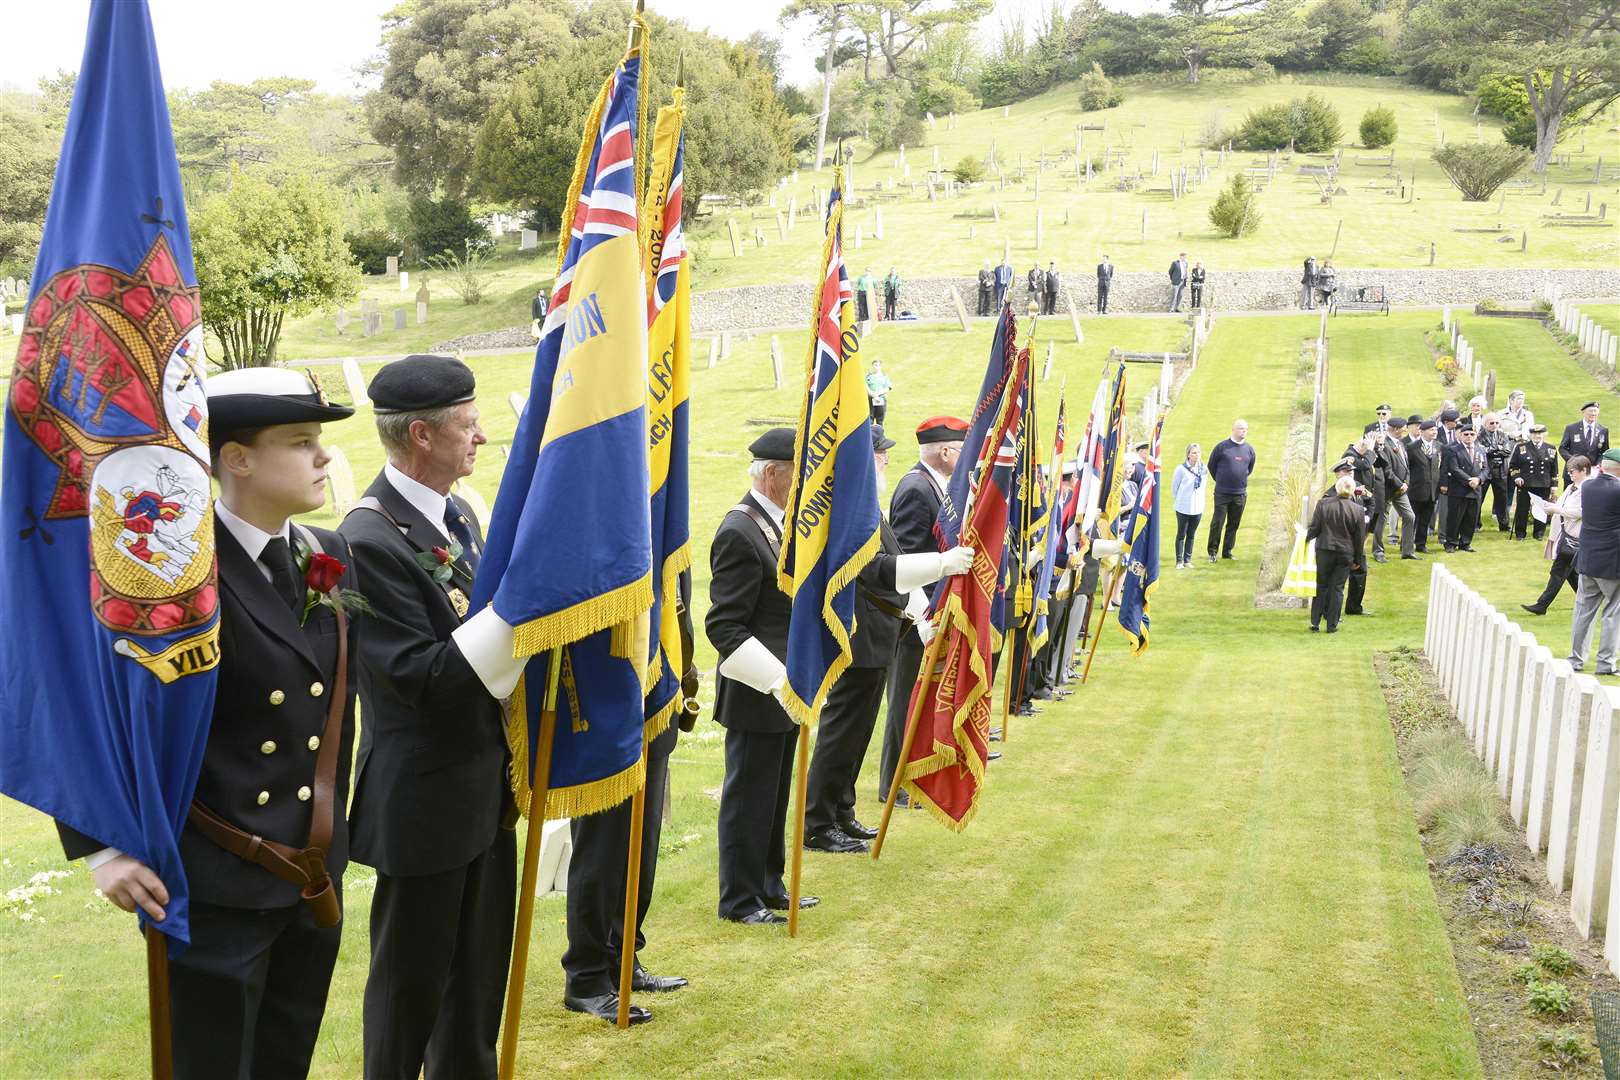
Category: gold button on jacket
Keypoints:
(303, 794)
(267, 747)
(314, 742)
(264, 797)
(316, 689)
(277, 697)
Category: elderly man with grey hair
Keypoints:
(1516, 419)
(432, 811)
(1598, 564)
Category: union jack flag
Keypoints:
(674, 249)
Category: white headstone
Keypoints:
(399, 318)
(392, 265)
(1549, 726)
(339, 480)
(1536, 667)
(961, 309)
(17, 323)
(421, 313)
(1520, 643)
(1491, 690)
(776, 362)
(1595, 833)
(1445, 318)
(529, 240)
(1568, 781)
(356, 383)
(404, 281)
(877, 224)
(1074, 318)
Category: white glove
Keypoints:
(917, 606)
(485, 641)
(925, 631)
(958, 560)
(1102, 548)
(755, 666)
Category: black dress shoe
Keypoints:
(780, 903)
(1466, 547)
(854, 828)
(1532, 609)
(762, 917)
(1315, 629)
(1333, 629)
(1611, 671)
(994, 755)
(1026, 710)
(1043, 694)
(645, 981)
(1378, 557)
(1363, 611)
(1414, 558)
(832, 839)
(605, 1007)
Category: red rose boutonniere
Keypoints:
(322, 573)
(440, 562)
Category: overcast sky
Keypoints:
(200, 41)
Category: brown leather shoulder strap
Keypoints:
(772, 540)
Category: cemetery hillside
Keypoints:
(1256, 250)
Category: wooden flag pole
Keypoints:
(1108, 602)
(632, 890)
(913, 721)
(539, 788)
(798, 829)
(1010, 651)
(157, 1003)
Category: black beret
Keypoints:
(1396, 422)
(1469, 430)
(1345, 465)
(1589, 405)
(421, 382)
(1538, 427)
(880, 441)
(1414, 419)
(1450, 415)
(259, 397)
(1385, 408)
(1369, 429)
(1426, 425)
(775, 445)
(938, 429)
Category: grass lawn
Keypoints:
(1204, 863)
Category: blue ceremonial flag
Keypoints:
(568, 562)
(986, 409)
(109, 631)
(1055, 508)
(832, 509)
(1141, 553)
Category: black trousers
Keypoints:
(878, 411)
(1051, 302)
(1228, 515)
(890, 301)
(1521, 512)
(753, 815)
(847, 721)
(596, 880)
(1356, 586)
(1332, 570)
(1462, 520)
(1562, 573)
(1102, 299)
(1501, 494)
(1197, 294)
(1424, 512)
(984, 300)
(908, 658)
(1186, 534)
(440, 945)
(864, 312)
(249, 994)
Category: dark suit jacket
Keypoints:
(1397, 470)
(745, 602)
(1459, 467)
(257, 745)
(1535, 464)
(913, 509)
(877, 627)
(431, 785)
(1338, 524)
(1599, 554)
(1105, 274)
(1574, 443)
(1176, 276)
(1423, 470)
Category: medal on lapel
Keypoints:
(459, 601)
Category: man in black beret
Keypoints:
(432, 810)
(1585, 437)
(268, 821)
(747, 623)
(889, 602)
(1462, 479)
(1397, 489)
(1423, 458)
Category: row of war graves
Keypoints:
(1550, 738)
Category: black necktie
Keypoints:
(456, 522)
(278, 556)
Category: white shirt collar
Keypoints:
(252, 538)
(776, 513)
(940, 478)
(429, 503)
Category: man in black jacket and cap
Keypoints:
(1531, 470)
(1462, 479)
(267, 824)
(1585, 437)
(889, 602)
(913, 509)
(1423, 457)
(433, 810)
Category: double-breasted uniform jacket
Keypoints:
(1423, 460)
(913, 509)
(1462, 464)
(745, 602)
(1535, 464)
(431, 784)
(274, 692)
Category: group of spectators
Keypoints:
(1041, 287)
(868, 284)
(1318, 284)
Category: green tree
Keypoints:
(739, 138)
(446, 63)
(896, 27)
(1565, 52)
(1378, 127)
(265, 251)
(827, 18)
(1478, 169)
(1234, 211)
(1097, 91)
(1342, 24)
(1236, 32)
(28, 149)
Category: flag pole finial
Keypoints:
(680, 71)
